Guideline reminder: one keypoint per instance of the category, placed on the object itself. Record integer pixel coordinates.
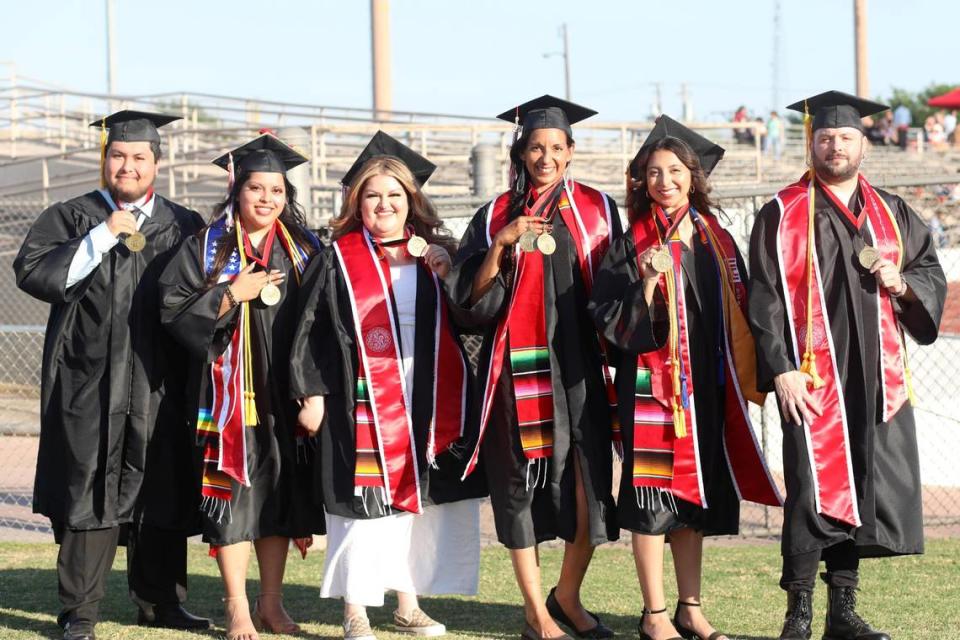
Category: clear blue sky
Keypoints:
(479, 57)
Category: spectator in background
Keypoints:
(950, 125)
(937, 232)
(775, 135)
(902, 120)
(741, 134)
(933, 132)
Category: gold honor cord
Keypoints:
(249, 396)
(292, 251)
(809, 363)
(673, 342)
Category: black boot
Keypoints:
(843, 623)
(799, 617)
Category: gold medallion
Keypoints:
(270, 294)
(135, 242)
(546, 244)
(661, 260)
(868, 255)
(416, 246)
(528, 241)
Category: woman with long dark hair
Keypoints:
(230, 297)
(522, 276)
(378, 363)
(671, 296)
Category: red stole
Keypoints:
(827, 435)
(587, 215)
(383, 417)
(662, 459)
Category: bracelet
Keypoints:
(902, 288)
(230, 298)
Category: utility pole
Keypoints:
(658, 101)
(775, 59)
(111, 57)
(566, 59)
(863, 65)
(380, 39)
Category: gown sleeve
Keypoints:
(617, 304)
(922, 272)
(44, 259)
(315, 358)
(189, 308)
(767, 310)
(459, 282)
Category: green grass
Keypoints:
(910, 598)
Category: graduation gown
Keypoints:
(113, 440)
(324, 361)
(526, 514)
(279, 500)
(886, 469)
(620, 310)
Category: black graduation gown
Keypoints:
(620, 310)
(885, 460)
(525, 516)
(113, 443)
(279, 500)
(324, 362)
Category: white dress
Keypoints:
(437, 552)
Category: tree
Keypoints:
(917, 102)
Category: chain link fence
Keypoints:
(936, 368)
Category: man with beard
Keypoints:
(115, 452)
(838, 270)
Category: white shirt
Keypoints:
(100, 241)
(404, 284)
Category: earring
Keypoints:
(693, 189)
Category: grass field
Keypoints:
(911, 598)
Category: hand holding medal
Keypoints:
(434, 256)
(250, 284)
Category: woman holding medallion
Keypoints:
(230, 297)
(671, 297)
(523, 276)
(382, 375)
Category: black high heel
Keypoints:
(690, 634)
(643, 634)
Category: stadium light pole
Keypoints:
(862, 64)
(566, 59)
(111, 58)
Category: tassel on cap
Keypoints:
(103, 151)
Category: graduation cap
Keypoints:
(835, 109)
(708, 152)
(547, 112)
(133, 126)
(265, 153)
(383, 145)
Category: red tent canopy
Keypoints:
(949, 100)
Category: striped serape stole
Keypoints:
(533, 388)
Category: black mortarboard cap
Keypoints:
(266, 154)
(547, 112)
(707, 151)
(835, 109)
(133, 126)
(383, 145)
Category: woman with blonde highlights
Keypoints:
(382, 376)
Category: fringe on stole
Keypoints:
(217, 509)
(542, 466)
(376, 495)
(651, 498)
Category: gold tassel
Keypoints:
(808, 139)
(250, 409)
(809, 367)
(679, 421)
(103, 151)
